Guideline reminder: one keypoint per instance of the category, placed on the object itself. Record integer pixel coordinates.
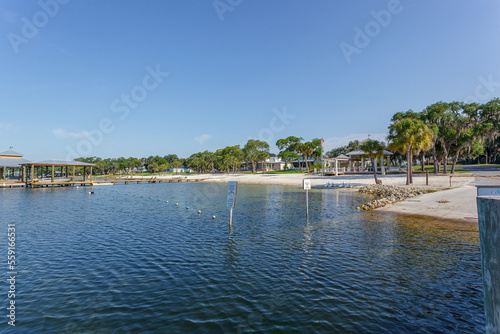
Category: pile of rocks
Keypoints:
(386, 195)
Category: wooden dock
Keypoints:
(11, 184)
(91, 182)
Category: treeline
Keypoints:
(225, 159)
(447, 132)
(444, 131)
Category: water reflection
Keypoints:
(110, 256)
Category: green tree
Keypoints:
(255, 150)
(209, 158)
(153, 167)
(489, 128)
(230, 156)
(288, 148)
(408, 135)
(353, 145)
(307, 150)
(432, 116)
(373, 149)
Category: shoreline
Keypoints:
(436, 182)
(457, 203)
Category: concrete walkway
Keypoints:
(454, 204)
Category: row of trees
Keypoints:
(254, 151)
(119, 165)
(230, 157)
(292, 148)
(444, 131)
(447, 131)
(225, 159)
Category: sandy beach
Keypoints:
(436, 182)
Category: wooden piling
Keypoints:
(489, 234)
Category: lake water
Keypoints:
(124, 261)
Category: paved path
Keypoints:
(482, 170)
(455, 204)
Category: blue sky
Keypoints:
(139, 78)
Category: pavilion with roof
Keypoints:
(355, 162)
(10, 160)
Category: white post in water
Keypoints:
(307, 185)
(232, 189)
(488, 206)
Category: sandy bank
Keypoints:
(436, 182)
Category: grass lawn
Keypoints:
(430, 168)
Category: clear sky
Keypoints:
(139, 78)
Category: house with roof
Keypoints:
(273, 162)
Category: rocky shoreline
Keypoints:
(386, 195)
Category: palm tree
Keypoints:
(373, 149)
(306, 149)
(409, 135)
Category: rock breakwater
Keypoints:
(386, 195)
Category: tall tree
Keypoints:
(432, 116)
(373, 149)
(468, 127)
(490, 128)
(306, 149)
(255, 150)
(288, 148)
(408, 135)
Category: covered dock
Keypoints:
(10, 161)
(56, 173)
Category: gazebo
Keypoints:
(337, 164)
(10, 160)
(357, 162)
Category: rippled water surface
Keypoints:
(124, 261)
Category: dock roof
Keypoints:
(360, 152)
(12, 162)
(11, 153)
(59, 163)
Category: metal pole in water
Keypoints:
(230, 216)
(307, 203)
(489, 234)
(306, 184)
